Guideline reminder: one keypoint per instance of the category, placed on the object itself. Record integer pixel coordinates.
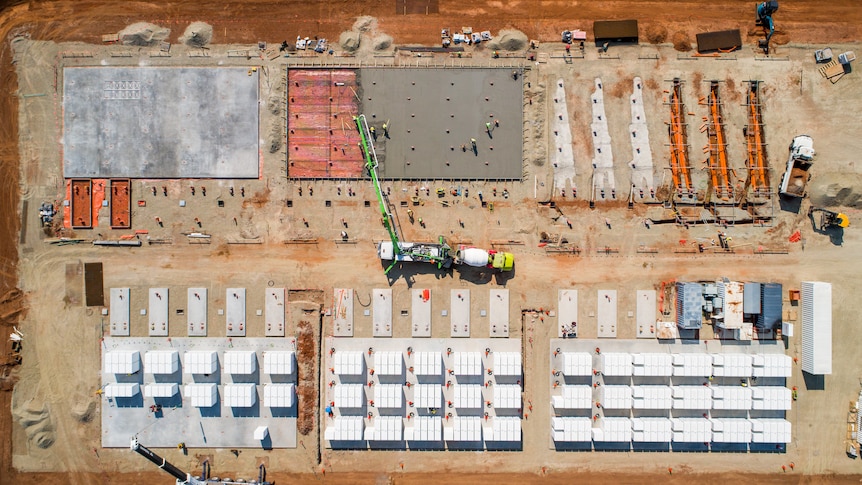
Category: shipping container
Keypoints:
(817, 327)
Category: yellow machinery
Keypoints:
(828, 219)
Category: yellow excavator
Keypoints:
(828, 219)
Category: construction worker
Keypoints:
(373, 133)
(385, 131)
(488, 126)
(410, 215)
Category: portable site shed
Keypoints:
(817, 327)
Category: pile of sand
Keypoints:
(36, 423)
(836, 189)
(366, 23)
(349, 40)
(381, 42)
(144, 34)
(509, 40)
(197, 34)
(681, 41)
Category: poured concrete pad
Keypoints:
(235, 302)
(382, 308)
(460, 313)
(151, 122)
(120, 312)
(499, 313)
(342, 312)
(646, 311)
(607, 314)
(422, 104)
(567, 306)
(274, 306)
(158, 312)
(197, 312)
(421, 313)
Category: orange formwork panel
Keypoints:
(81, 203)
(756, 147)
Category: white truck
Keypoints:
(795, 178)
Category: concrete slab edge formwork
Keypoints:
(563, 157)
(603, 159)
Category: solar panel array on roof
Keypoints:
(651, 397)
(504, 428)
(770, 430)
(731, 397)
(616, 364)
(427, 395)
(731, 365)
(691, 430)
(122, 389)
(577, 364)
(692, 365)
(345, 428)
(240, 395)
(388, 363)
(388, 396)
(651, 430)
(384, 428)
(427, 364)
(773, 398)
(613, 430)
(162, 362)
(279, 395)
(468, 363)
(507, 364)
(616, 397)
(771, 365)
(571, 429)
(465, 428)
(349, 396)
(277, 362)
(122, 362)
(689, 305)
(240, 362)
(161, 389)
(425, 428)
(201, 395)
(507, 396)
(652, 364)
(200, 362)
(771, 307)
(731, 430)
(574, 397)
(349, 363)
(468, 396)
(692, 397)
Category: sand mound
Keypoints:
(833, 189)
(382, 42)
(509, 40)
(143, 34)
(366, 23)
(37, 424)
(656, 34)
(681, 41)
(84, 411)
(349, 40)
(197, 34)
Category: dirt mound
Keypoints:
(681, 41)
(197, 34)
(366, 23)
(349, 40)
(382, 42)
(307, 384)
(36, 423)
(832, 190)
(509, 40)
(143, 34)
(656, 34)
(84, 411)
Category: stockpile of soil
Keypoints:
(833, 190)
(306, 389)
(197, 34)
(145, 34)
(509, 40)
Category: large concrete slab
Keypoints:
(160, 122)
(432, 112)
(120, 312)
(382, 312)
(235, 312)
(197, 312)
(646, 314)
(342, 312)
(274, 307)
(567, 308)
(219, 426)
(499, 313)
(460, 317)
(607, 314)
(421, 313)
(158, 312)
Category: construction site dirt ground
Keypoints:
(50, 423)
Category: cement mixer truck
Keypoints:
(480, 258)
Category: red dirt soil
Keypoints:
(249, 21)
